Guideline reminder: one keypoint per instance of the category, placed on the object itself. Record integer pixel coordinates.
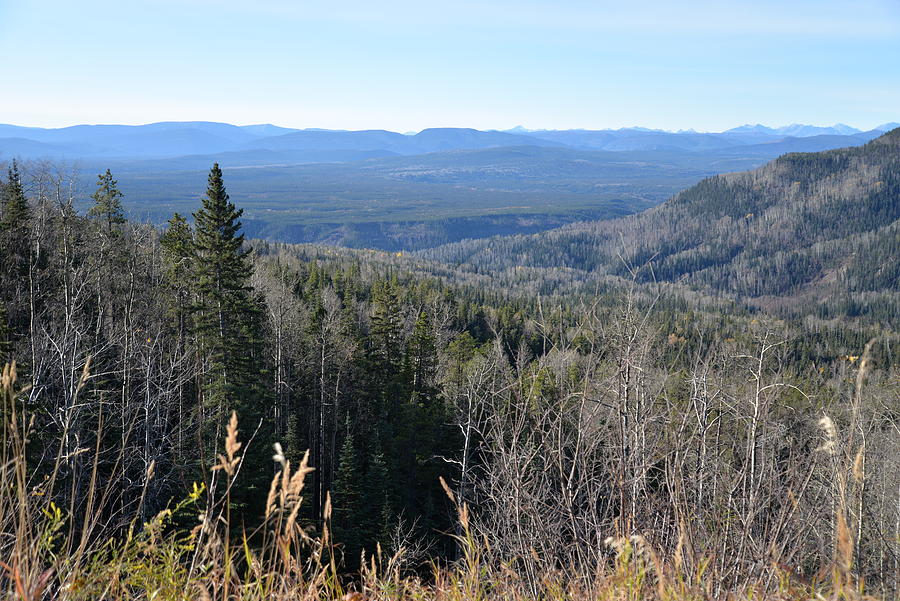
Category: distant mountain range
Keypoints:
(270, 144)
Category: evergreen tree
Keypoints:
(386, 327)
(224, 322)
(422, 360)
(345, 499)
(374, 500)
(227, 324)
(15, 226)
(422, 433)
(107, 202)
(16, 254)
(223, 272)
(16, 213)
(177, 249)
(111, 256)
(460, 350)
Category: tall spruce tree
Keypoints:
(224, 311)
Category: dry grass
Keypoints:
(40, 558)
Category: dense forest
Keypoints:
(652, 412)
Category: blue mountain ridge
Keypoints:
(266, 142)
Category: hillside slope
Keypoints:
(814, 231)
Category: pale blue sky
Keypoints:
(401, 65)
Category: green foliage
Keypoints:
(421, 362)
(177, 246)
(15, 230)
(107, 202)
(224, 308)
(386, 350)
(375, 488)
(16, 212)
(346, 498)
(227, 324)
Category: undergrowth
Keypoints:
(48, 552)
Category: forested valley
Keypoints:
(647, 407)
(814, 234)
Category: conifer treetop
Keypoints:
(15, 205)
(107, 201)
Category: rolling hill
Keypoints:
(818, 231)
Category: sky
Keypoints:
(407, 65)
